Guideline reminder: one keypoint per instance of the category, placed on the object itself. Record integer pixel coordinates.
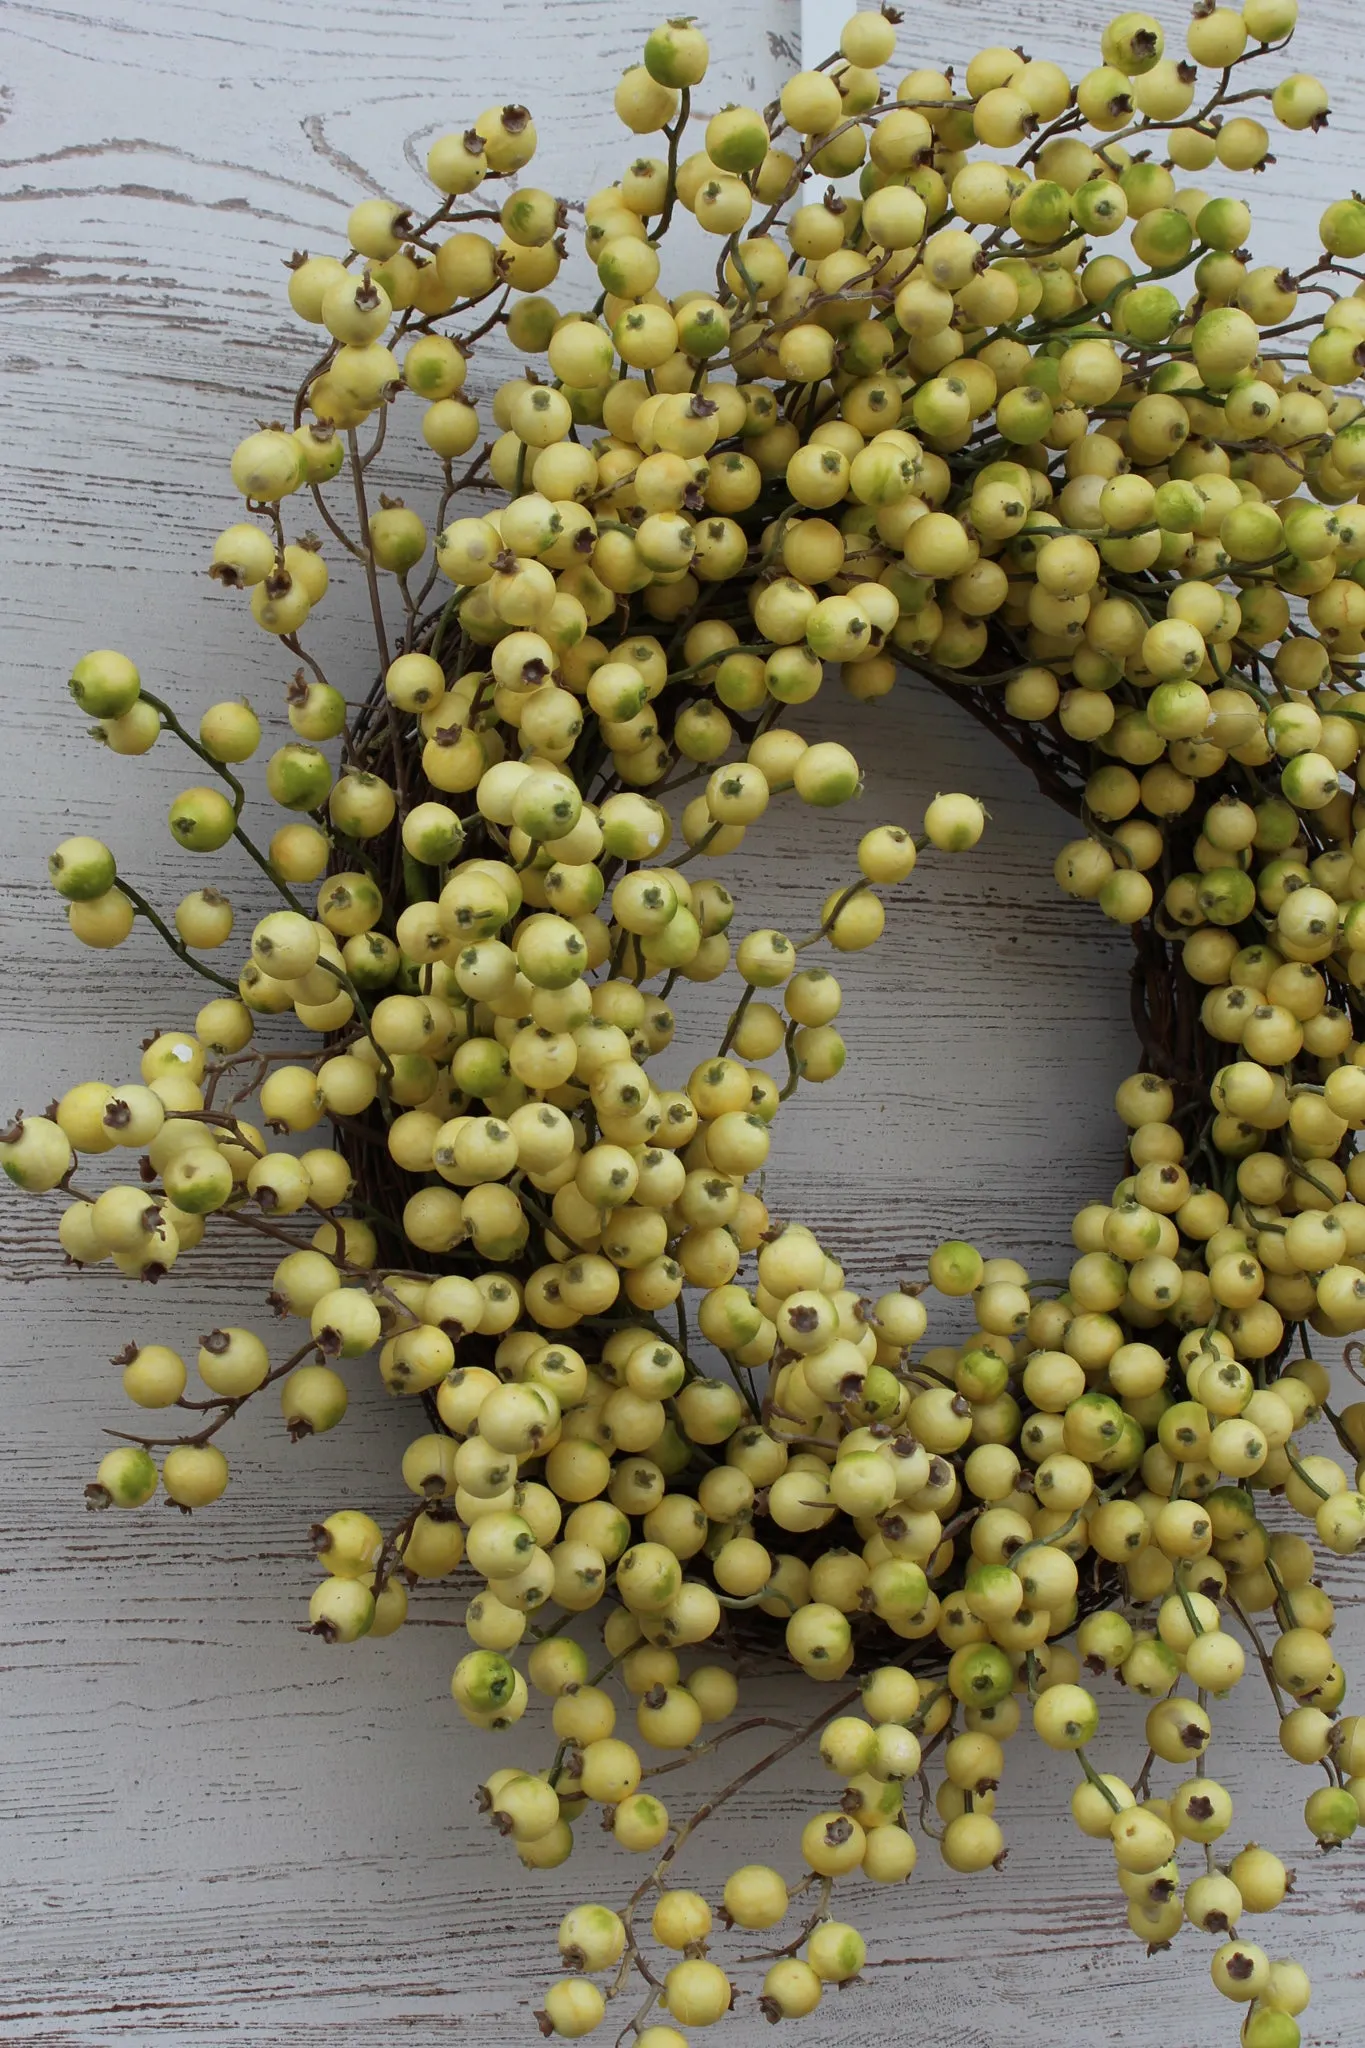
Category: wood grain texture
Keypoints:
(216, 1831)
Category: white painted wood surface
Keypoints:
(215, 1830)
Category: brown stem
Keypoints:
(371, 572)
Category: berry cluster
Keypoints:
(1112, 501)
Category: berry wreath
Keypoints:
(908, 418)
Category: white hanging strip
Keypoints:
(821, 21)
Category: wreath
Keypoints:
(917, 418)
